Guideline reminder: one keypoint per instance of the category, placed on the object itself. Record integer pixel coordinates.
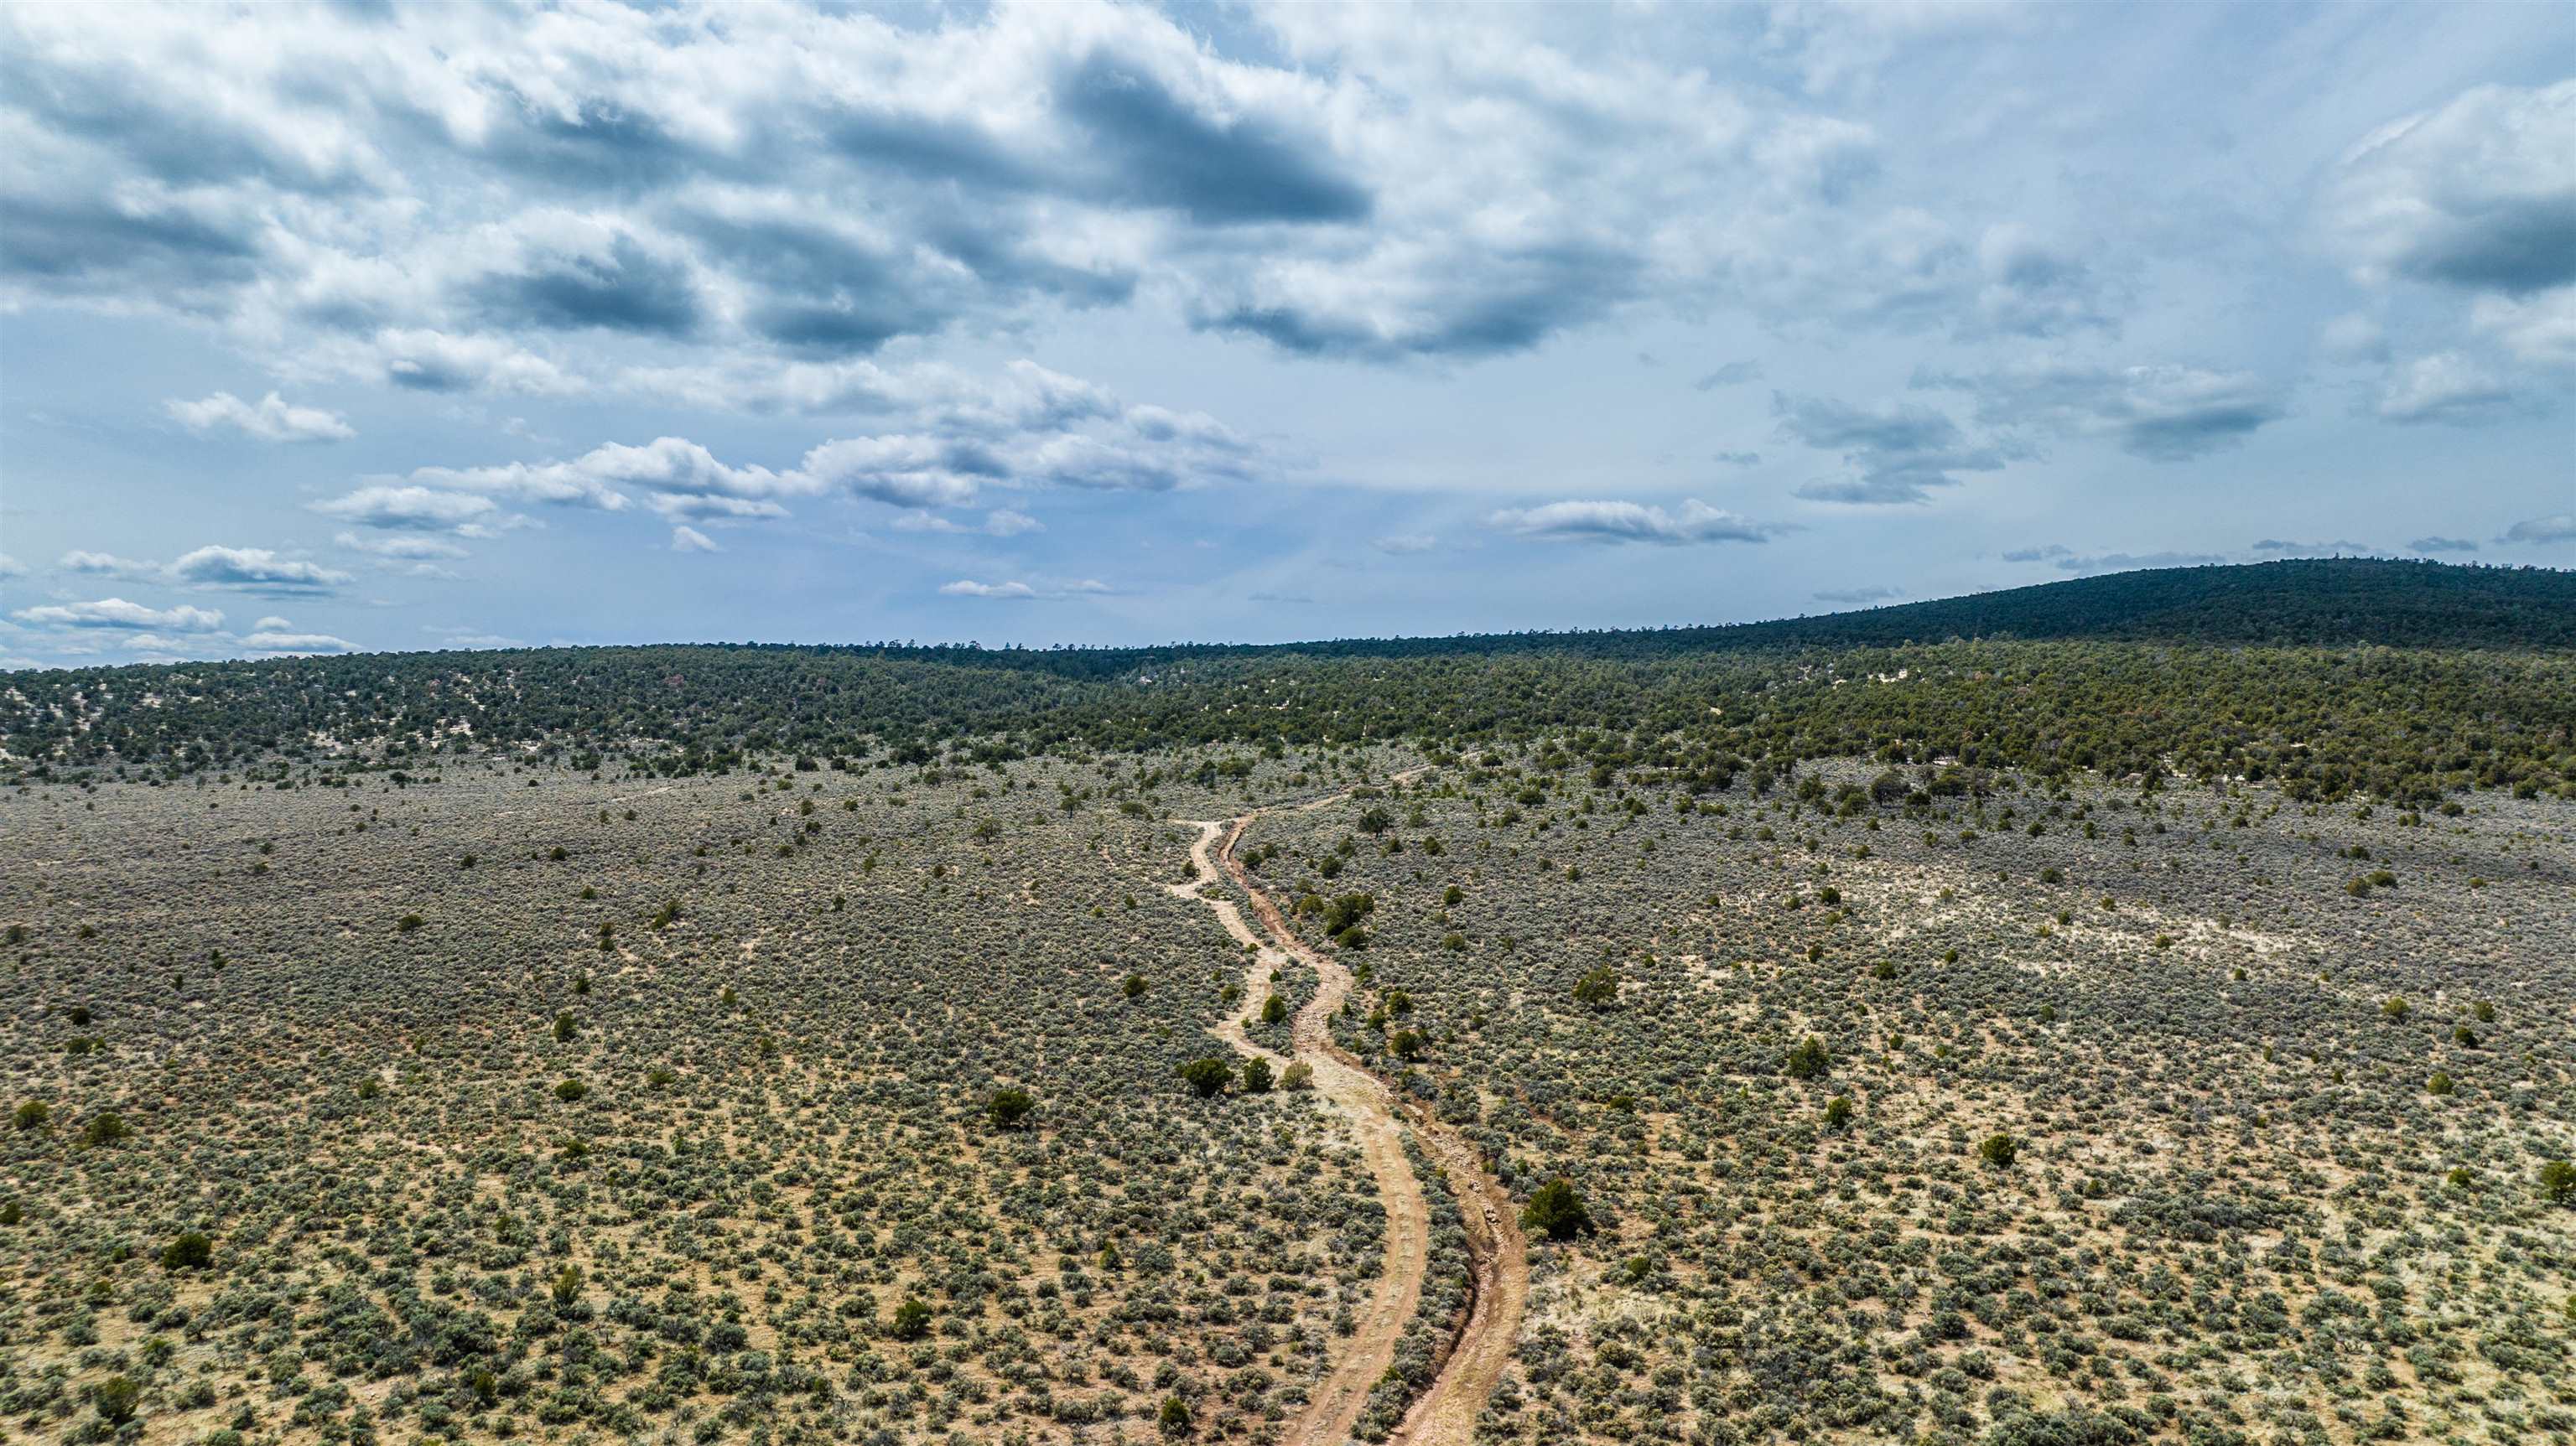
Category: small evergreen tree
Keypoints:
(1009, 1106)
(1556, 1209)
(1208, 1076)
(1809, 1059)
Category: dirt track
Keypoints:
(1445, 1413)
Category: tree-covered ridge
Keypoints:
(2400, 679)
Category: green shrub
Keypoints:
(1256, 1076)
(2558, 1182)
(1208, 1076)
(115, 1399)
(1556, 1210)
(1599, 989)
(106, 1128)
(911, 1320)
(1009, 1106)
(1999, 1150)
(1809, 1059)
(194, 1250)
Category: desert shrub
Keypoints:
(1256, 1076)
(1598, 988)
(1207, 1076)
(2558, 1182)
(1556, 1209)
(1008, 1107)
(1999, 1150)
(1809, 1059)
(106, 1128)
(193, 1250)
(116, 1399)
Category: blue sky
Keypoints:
(367, 327)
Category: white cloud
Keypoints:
(1610, 521)
(270, 419)
(2165, 413)
(108, 564)
(2477, 194)
(254, 569)
(413, 508)
(968, 587)
(286, 642)
(1405, 544)
(2444, 387)
(689, 539)
(2558, 527)
(401, 549)
(11, 567)
(117, 613)
(1021, 591)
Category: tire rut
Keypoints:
(1480, 1348)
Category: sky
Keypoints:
(364, 327)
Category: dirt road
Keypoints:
(1445, 1413)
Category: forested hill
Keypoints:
(2400, 679)
(2320, 602)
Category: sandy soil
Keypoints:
(1445, 1413)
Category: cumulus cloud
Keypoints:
(107, 564)
(968, 587)
(254, 569)
(401, 549)
(1611, 521)
(2558, 527)
(270, 419)
(762, 178)
(11, 567)
(1022, 591)
(2164, 413)
(428, 360)
(1025, 427)
(689, 539)
(117, 613)
(2477, 194)
(2442, 544)
(413, 509)
(247, 569)
(2444, 387)
(281, 641)
(677, 477)
(1895, 453)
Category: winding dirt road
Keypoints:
(1445, 1413)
